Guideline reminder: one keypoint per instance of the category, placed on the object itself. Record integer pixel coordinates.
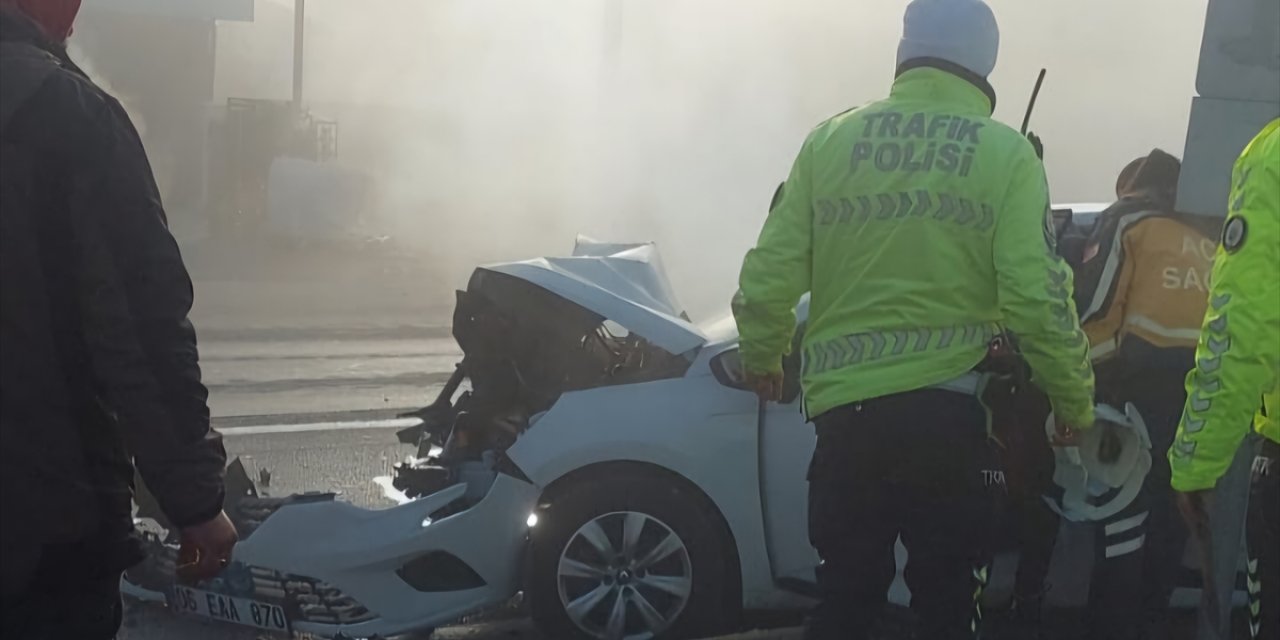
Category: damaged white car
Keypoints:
(594, 449)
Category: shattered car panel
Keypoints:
(647, 280)
(627, 286)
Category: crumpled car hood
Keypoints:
(624, 283)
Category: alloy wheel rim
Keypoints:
(624, 575)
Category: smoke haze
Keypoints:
(498, 130)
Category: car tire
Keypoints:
(567, 539)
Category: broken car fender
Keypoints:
(364, 553)
(693, 427)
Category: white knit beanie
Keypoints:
(963, 32)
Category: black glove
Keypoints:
(1036, 144)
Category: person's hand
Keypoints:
(766, 385)
(1194, 507)
(206, 549)
(1065, 435)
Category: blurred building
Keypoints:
(158, 58)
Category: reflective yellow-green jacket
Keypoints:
(1236, 381)
(922, 228)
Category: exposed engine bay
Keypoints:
(523, 347)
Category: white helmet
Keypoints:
(1088, 489)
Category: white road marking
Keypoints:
(393, 423)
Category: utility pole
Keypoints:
(299, 21)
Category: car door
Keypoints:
(785, 445)
(786, 442)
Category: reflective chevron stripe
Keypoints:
(981, 576)
(1254, 584)
(1217, 342)
(897, 205)
(872, 346)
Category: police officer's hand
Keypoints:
(766, 385)
(1065, 435)
(206, 549)
(1194, 507)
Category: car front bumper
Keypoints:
(342, 570)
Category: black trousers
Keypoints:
(75, 593)
(917, 466)
(1264, 545)
(1138, 552)
(1160, 401)
(1117, 592)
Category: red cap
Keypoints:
(54, 16)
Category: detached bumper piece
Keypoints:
(389, 571)
(307, 599)
(439, 572)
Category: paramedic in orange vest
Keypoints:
(1142, 292)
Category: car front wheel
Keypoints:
(629, 558)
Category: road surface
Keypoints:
(282, 372)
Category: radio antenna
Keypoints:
(1035, 93)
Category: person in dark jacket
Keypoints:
(98, 363)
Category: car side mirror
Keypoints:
(727, 368)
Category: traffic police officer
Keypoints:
(922, 229)
(1238, 363)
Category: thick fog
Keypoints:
(497, 129)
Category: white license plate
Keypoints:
(215, 606)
